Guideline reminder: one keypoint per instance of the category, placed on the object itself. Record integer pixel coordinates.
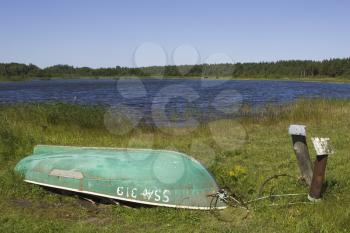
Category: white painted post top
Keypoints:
(297, 130)
(322, 146)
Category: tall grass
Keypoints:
(262, 148)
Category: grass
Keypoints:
(328, 79)
(241, 153)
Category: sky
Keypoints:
(106, 33)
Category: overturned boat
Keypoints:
(145, 176)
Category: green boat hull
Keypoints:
(154, 177)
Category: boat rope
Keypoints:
(233, 200)
(275, 195)
(223, 196)
(220, 195)
(261, 189)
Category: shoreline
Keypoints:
(292, 79)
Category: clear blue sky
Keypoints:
(106, 33)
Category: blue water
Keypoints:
(175, 97)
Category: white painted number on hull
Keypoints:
(157, 195)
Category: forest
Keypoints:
(332, 68)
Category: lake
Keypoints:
(169, 99)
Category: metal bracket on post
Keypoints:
(323, 149)
(298, 134)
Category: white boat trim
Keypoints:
(125, 199)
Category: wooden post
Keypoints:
(298, 134)
(322, 150)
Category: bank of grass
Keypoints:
(261, 148)
(327, 79)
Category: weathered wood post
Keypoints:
(298, 133)
(322, 150)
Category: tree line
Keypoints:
(279, 69)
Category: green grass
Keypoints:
(244, 152)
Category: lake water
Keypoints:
(169, 98)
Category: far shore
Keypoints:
(286, 78)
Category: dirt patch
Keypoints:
(97, 221)
(22, 203)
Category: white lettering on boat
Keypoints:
(147, 194)
(165, 195)
(120, 191)
(156, 194)
(133, 193)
